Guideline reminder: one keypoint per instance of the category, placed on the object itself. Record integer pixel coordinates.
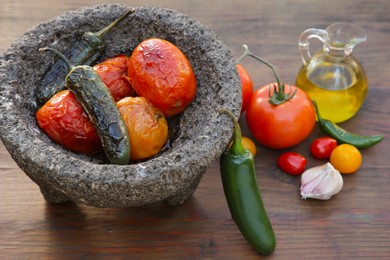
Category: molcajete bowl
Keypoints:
(197, 136)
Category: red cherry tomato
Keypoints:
(113, 72)
(292, 163)
(63, 119)
(161, 73)
(284, 125)
(322, 147)
(246, 85)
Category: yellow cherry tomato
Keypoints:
(346, 158)
(249, 145)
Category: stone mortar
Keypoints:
(200, 136)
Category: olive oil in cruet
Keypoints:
(332, 76)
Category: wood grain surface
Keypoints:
(355, 224)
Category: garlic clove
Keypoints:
(321, 182)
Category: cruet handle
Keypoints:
(304, 42)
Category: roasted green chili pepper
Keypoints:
(86, 52)
(243, 195)
(343, 136)
(98, 103)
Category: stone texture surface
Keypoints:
(198, 135)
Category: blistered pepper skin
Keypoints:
(99, 104)
(85, 51)
(97, 101)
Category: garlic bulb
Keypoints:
(321, 182)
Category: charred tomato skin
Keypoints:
(146, 125)
(64, 120)
(160, 72)
(113, 73)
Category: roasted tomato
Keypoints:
(113, 72)
(246, 85)
(63, 119)
(146, 126)
(162, 74)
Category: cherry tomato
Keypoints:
(322, 147)
(113, 72)
(249, 145)
(162, 74)
(292, 163)
(246, 85)
(346, 158)
(63, 119)
(146, 125)
(280, 126)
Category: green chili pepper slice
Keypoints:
(243, 195)
(343, 136)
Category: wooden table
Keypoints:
(353, 224)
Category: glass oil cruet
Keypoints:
(332, 76)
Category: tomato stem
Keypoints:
(280, 96)
(247, 52)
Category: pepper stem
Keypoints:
(236, 147)
(100, 34)
(280, 96)
(62, 56)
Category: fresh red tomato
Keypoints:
(63, 119)
(161, 73)
(292, 163)
(322, 147)
(246, 85)
(282, 125)
(113, 72)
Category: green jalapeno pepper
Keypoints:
(98, 103)
(343, 136)
(243, 195)
(86, 52)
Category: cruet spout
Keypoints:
(344, 36)
(338, 39)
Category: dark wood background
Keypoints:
(353, 224)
